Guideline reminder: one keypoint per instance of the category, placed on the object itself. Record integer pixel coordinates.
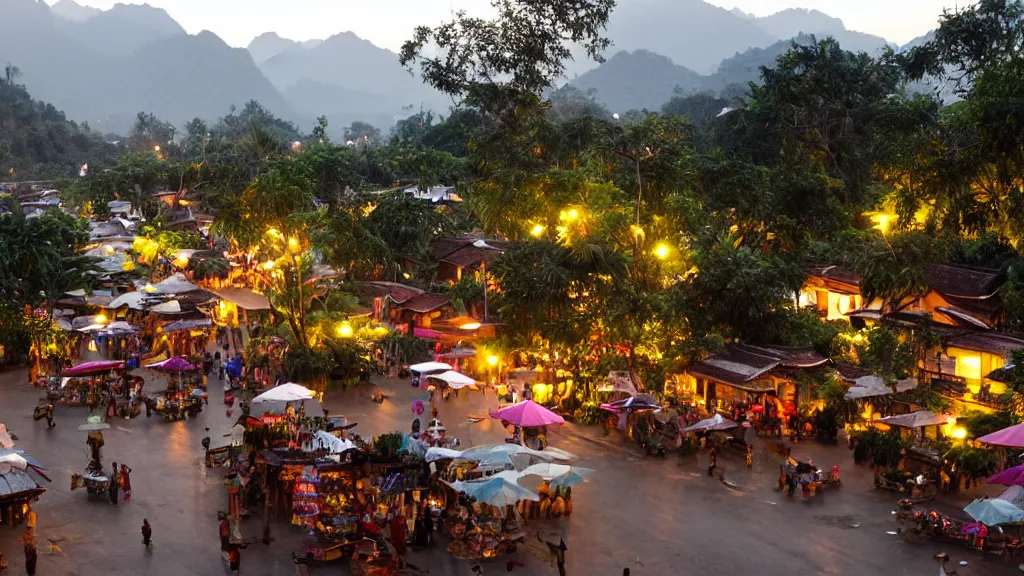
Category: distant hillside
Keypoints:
(37, 141)
(171, 74)
(691, 33)
(636, 80)
(122, 29)
(643, 79)
(73, 11)
(347, 69)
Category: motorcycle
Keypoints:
(920, 489)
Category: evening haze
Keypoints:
(387, 23)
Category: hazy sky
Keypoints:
(387, 23)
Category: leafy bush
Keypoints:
(590, 413)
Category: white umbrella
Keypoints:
(93, 426)
(330, 442)
(716, 422)
(132, 300)
(429, 367)
(439, 453)
(284, 393)
(549, 471)
(454, 379)
(918, 419)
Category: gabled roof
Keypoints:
(838, 278)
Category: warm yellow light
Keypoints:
(149, 289)
(959, 433)
(181, 261)
(293, 244)
(406, 275)
(661, 251)
(268, 265)
(537, 231)
(156, 148)
(470, 326)
(108, 249)
(492, 360)
(882, 222)
(273, 232)
(345, 330)
(100, 319)
(637, 231)
(573, 214)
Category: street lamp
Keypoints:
(661, 251)
(345, 330)
(492, 360)
(537, 231)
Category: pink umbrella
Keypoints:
(528, 414)
(94, 367)
(1009, 477)
(175, 364)
(1012, 436)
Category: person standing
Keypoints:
(29, 541)
(126, 482)
(234, 559)
(147, 533)
(712, 460)
(49, 416)
(225, 532)
(115, 485)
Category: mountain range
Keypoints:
(106, 66)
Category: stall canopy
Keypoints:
(285, 393)
(175, 364)
(716, 422)
(918, 419)
(132, 300)
(188, 324)
(528, 414)
(277, 399)
(994, 511)
(1009, 477)
(439, 453)
(176, 284)
(244, 299)
(169, 307)
(331, 443)
(872, 386)
(550, 472)
(429, 367)
(495, 491)
(17, 483)
(95, 367)
(454, 379)
(1012, 436)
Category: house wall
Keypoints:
(973, 365)
(831, 305)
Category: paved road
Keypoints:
(655, 516)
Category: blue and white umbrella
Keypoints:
(993, 511)
(495, 491)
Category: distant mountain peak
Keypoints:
(743, 14)
(270, 44)
(73, 11)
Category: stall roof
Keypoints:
(16, 482)
(423, 303)
(741, 365)
(176, 284)
(188, 324)
(472, 256)
(918, 419)
(245, 299)
(397, 293)
(962, 281)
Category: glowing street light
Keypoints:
(573, 214)
(345, 330)
(661, 251)
(537, 231)
(492, 360)
(293, 244)
(100, 319)
(156, 148)
(959, 433)
(470, 326)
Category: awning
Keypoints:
(132, 300)
(918, 419)
(176, 284)
(169, 307)
(454, 379)
(245, 299)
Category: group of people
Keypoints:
(120, 484)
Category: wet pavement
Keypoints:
(655, 516)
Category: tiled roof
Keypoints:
(398, 293)
(741, 365)
(991, 342)
(962, 281)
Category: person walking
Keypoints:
(49, 417)
(126, 482)
(115, 485)
(712, 460)
(147, 533)
(234, 559)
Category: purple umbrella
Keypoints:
(95, 367)
(527, 414)
(1012, 436)
(1009, 477)
(176, 364)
